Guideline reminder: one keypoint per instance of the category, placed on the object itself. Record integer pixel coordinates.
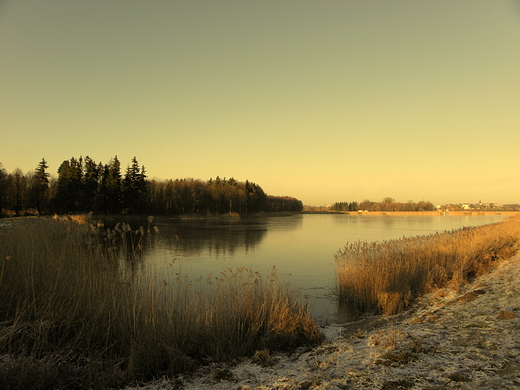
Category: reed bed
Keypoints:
(74, 314)
(386, 277)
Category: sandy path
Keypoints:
(468, 339)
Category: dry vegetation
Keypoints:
(385, 277)
(73, 316)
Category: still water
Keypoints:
(301, 247)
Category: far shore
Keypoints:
(414, 213)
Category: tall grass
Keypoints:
(72, 315)
(385, 277)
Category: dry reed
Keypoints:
(74, 315)
(385, 277)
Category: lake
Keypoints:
(300, 246)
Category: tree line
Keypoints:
(82, 185)
(387, 204)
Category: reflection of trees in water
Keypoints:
(191, 237)
(216, 237)
(286, 223)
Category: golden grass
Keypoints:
(73, 314)
(385, 277)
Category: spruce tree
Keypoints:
(3, 189)
(134, 187)
(40, 185)
(68, 196)
(90, 184)
(110, 190)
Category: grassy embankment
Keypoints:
(386, 277)
(73, 315)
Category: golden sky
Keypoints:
(322, 100)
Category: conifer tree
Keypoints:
(40, 185)
(110, 190)
(134, 187)
(102, 198)
(90, 184)
(70, 174)
(3, 189)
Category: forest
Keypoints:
(83, 186)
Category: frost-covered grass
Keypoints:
(74, 315)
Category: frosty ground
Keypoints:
(465, 339)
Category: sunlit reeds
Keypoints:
(385, 277)
(74, 315)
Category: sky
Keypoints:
(326, 101)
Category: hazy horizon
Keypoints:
(323, 101)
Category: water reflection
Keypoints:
(217, 238)
(192, 237)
